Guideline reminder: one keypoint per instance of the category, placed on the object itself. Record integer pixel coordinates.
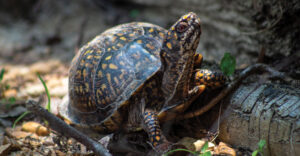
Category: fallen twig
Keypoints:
(66, 130)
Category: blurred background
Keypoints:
(36, 30)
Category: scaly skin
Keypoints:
(124, 77)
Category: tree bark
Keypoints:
(266, 111)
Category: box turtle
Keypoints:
(133, 74)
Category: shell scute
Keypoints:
(109, 70)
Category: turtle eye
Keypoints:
(182, 26)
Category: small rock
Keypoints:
(4, 149)
(59, 153)
(45, 67)
(34, 89)
(36, 128)
(22, 134)
(14, 112)
(223, 148)
(10, 93)
(200, 143)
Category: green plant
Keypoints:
(134, 13)
(261, 145)
(47, 92)
(228, 64)
(203, 151)
(19, 118)
(2, 74)
(48, 107)
(11, 101)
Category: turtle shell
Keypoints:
(109, 70)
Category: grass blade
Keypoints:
(47, 92)
(19, 118)
(2, 74)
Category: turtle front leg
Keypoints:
(180, 108)
(158, 141)
(203, 79)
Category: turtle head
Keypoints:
(179, 48)
(184, 35)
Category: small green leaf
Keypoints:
(205, 147)
(47, 92)
(19, 118)
(12, 100)
(261, 145)
(7, 86)
(208, 153)
(134, 13)
(254, 153)
(2, 74)
(228, 64)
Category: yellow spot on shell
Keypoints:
(139, 41)
(99, 51)
(99, 92)
(131, 35)
(86, 87)
(114, 48)
(108, 57)
(89, 57)
(100, 74)
(162, 35)
(104, 66)
(120, 45)
(88, 65)
(151, 30)
(82, 62)
(112, 66)
(97, 57)
(108, 78)
(123, 38)
(169, 45)
(95, 62)
(78, 74)
(80, 89)
(116, 80)
(103, 86)
(150, 46)
(108, 49)
(175, 36)
(88, 51)
(76, 89)
(120, 34)
(173, 28)
(84, 73)
(113, 39)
